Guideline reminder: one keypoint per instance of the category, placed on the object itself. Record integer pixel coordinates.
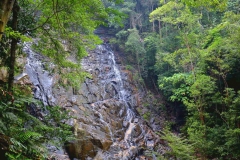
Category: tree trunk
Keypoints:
(153, 26)
(160, 29)
(5, 10)
(13, 47)
(190, 55)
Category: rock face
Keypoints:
(107, 125)
(39, 77)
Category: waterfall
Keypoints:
(122, 96)
(106, 59)
(104, 107)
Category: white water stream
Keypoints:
(112, 87)
(122, 95)
(40, 78)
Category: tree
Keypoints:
(181, 148)
(56, 24)
(210, 5)
(202, 73)
(135, 46)
(13, 46)
(6, 8)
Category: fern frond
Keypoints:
(29, 117)
(39, 150)
(37, 124)
(3, 106)
(16, 145)
(24, 131)
(24, 99)
(29, 135)
(10, 116)
(3, 128)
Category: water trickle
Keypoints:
(103, 106)
(122, 92)
(40, 78)
(123, 96)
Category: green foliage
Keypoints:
(167, 8)
(135, 46)
(210, 5)
(129, 67)
(181, 148)
(66, 32)
(24, 136)
(193, 48)
(176, 87)
(63, 31)
(197, 66)
(133, 43)
(146, 116)
(151, 46)
(233, 5)
(9, 33)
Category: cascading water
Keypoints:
(122, 92)
(122, 96)
(110, 74)
(103, 107)
(40, 78)
(43, 83)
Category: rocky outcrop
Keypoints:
(106, 124)
(40, 78)
(105, 110)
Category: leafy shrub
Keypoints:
(24, 136)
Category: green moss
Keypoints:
(146, 116)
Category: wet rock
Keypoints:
(110, 90)
(81, 149)
(135, 120)
(57, 154)
(131, 152)
(106, 144)
(149, 135)
(97, 143)
(107, 69)
(119, 135)
(137, 131)
(22, 79)
(106, 123)
(82, 108)
(91, 98)
(122, 112)
(125, 124)
(152, 120)
(116, 125)
(104, 51)
(150, 144)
